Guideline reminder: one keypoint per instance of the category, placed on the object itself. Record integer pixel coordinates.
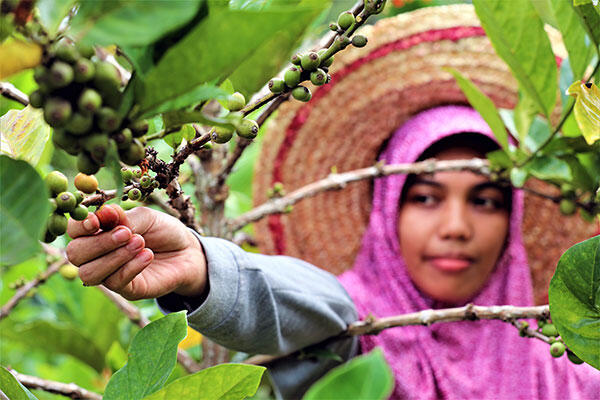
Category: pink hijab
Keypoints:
(458, 360)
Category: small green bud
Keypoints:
(66, 202)
(139, 128)
(134, 194)
(301, 93)
(557, 349)
(69, 272)
(295, 59)
(86, 165)
(108, 119)
(288, 209)
(79, 213)
(276, 85)
(57, 111)
(247, 128)
(36, 99)
(56, 182)
(57, 224)
(84, 70)
(292, 77)
(106, 76)
(137, 173)
(345, 20)
(310, 61)
(236, 102)
(359, 41)
(549, 330)
(567, 207)
(318, 77)
(145, 181)
(155, 184)
(334, 27)
(126, 174)
(79, 124)
(60, 75)
(133, 154)
(66, 52)
(79, 196)
(327, 62)
(123, 138)
(573, 358)
(221, 135)
(89, 101)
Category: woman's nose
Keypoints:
(455, 221)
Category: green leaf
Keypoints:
(524, 114)
(518, 176)
(12, 388)
(23, 210)
(591, 22)
(186, 132)
(152, 357)
(197, 95)
(587, 109)
(520, 40)
(574, 296)
(499, 159)
(56, 338)
(224, 382)
(23, 134)
(116, 357)
(364, 377)
(573, 35)
(549, 168)
(484, 106)
(52, 12)
(130, 22)
(212, 50)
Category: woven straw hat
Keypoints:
(373, 91)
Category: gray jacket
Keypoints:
(275, 305)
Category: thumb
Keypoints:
(111, 215)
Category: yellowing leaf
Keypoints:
(17, 55)
(192, 339)
(23, 134)
(587, 109)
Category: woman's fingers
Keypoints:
(88, 226)
(120, 280)
(87, 248)
(95, 271)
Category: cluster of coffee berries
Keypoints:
(80, 95)
(557, 347)
(276, 191)
(245, 128)
(142, 188)
(64, 202)
(346, 21)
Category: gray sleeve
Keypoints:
(270, 305)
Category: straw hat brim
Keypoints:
(373, 91)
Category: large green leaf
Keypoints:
(212, 51)
(12, 388)
(549, 168)
(484, 106)
(152, 356)
(591, 22)
(575, 299)
(130, 22)
(520, 40)
(53, 12)
(222, 382)
(23, 210)
(57, 338)
(573, 35)
(587, 109)
(23, 134)
(364, 377)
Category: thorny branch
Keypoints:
(70, 390)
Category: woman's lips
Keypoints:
(450, 264)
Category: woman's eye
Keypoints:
(487, 203)
(424, 199)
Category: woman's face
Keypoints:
(452, 229)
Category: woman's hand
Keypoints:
(149, 254)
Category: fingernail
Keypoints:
(88, 225)
(135, 243)
(121, 235)
(144, 256)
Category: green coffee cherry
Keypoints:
(79, 213)
(89, 101)
(60, 74)
(139, 128)
(57, 224)
(53, 205)
(108, 119)
(49, 237)
(86, 165)
(66, 53)
(133, 154)
(549, 330)
(66, 202)
(221, 135)
(123, 138)
(137, 173)
(236, 102)
(301, 93)
(97, 146)
(327, 62)
(36, 99)
(57, 182)
(68, 143)
(79, 196)
(292, 77)
(295, 59)
(84, 70)
(310, 61)
(334, 27)
(69, 272)
(318, 77)
(573, 358)
(567, 207)
(359, 41)
(85, 50)
(247, 128)
(276, 85)
(86, 183)
(134, 194)
(126, 174)
(79, 124)
(40, 75)
(155, 184)
(345, 19)
(57, 111)
(106, 76)
(145, 181)
(557, 349)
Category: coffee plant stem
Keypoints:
(528, 332)
(9, 91)
(69, 390)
